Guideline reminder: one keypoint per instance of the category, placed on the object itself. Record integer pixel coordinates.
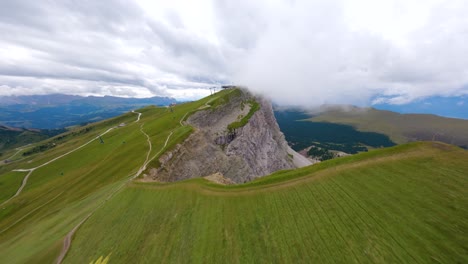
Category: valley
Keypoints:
(334, 131)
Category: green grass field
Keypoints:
(404, 204)
(401, 205)
(59, 195)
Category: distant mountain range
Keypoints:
(60, 110)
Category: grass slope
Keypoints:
(61, 194)
(403, 204)
(11, 138)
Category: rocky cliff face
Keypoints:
(256, 149)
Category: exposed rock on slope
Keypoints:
(240, 154)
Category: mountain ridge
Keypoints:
(254, 147)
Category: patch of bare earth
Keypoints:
(219, 179)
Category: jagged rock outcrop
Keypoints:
(242, 154)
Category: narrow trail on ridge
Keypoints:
(68, 238)
(19, 150)
(31, 170)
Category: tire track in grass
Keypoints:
(345, 212)
(264, 237)
(277, 254)
(339, 221)
(379, 224)
(323, 212)
(244, 230)
(315, 205)
(378, 209)
(151, 220)
(361, 226)
(216, 231)
(267, 235)
(383, 230)
(68, 238)
(229, 231)
(183, 247)
(171, 229)
(286, 210)
(285, 202)
(306, 209)
(417, 209)
(315, 223)
(301, 212)
(37, 208)
(200, 230)
(280, 226)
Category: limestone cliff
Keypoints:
(238, 152)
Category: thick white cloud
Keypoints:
(317, 52)
(305, 52)
(102, 47)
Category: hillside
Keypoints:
(401, 128)
(17, 137)
(235, 135)
(79, 202)
(405, 204)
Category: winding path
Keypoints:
(139, 115)
(19, 150)
(68, 238)
(23, 184)
(31, 170)
(25, 180)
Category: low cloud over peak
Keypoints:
(297, 52)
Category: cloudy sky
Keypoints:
(305, 52)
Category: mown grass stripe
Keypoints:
(365, 230)
(419, 207)
(338, 221)
(334, 236)
(289, 216)
(316, 231)
(381, 222)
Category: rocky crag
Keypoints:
(236, 136)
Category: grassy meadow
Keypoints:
(403, 204)
(59, 195)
